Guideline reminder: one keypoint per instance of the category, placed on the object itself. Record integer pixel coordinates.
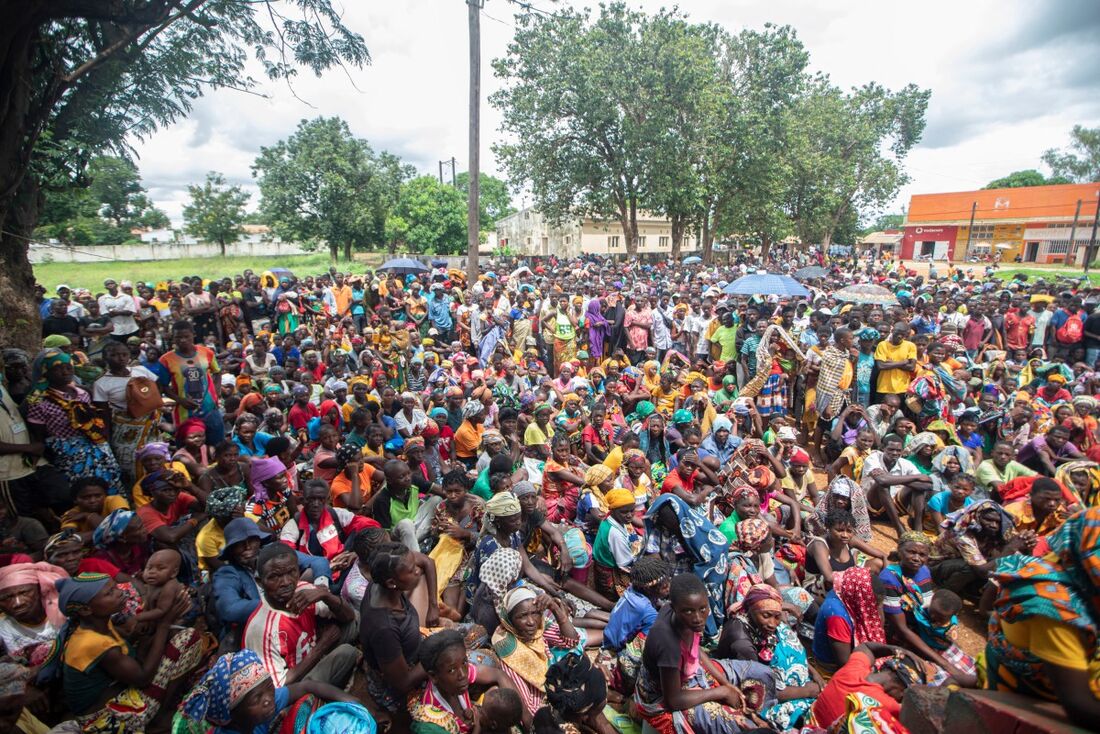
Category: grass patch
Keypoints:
(1049, 274)
(91, 275)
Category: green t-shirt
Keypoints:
(400, 511)
(481, 486)
(726, 337)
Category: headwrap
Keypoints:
(502, 504)
(111, 528)
(222, 503)
(1087, 402)
(962, 521)
(760, 597)
(430, 430)
(43, 575)
(799, 457)
(869, 333)
(905, 669)
(1091, 469)
(189, 427)
(913, 536)
(524, 488)
(842, 486)
(56, 341)
(67, 535)
(529, 659)
(472, 409)
(413, 442)
(751, 533)
(721, 423)
(619, 497)
(596, 475)
(923, 440)
(491, 435)
(223, 687)
(574, 686)
(74, 594)
(741, 491)
(153, 480)
(500, 571)
(338, 384)
(541, 407)
(853, 587)
(761, 477)
(263, 470)
(155, 448)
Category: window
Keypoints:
(503, 242)
(612, 243)
(981, 233)
(662, 241)
(568, 239)
(545, 244)
(641, 243)
(528, 240)
(1056, 247)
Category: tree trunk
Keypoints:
(679, 224)
(765, 250)
(20, 323)
(221, 244)
(333, 251)
(707, 241)
(347, 252)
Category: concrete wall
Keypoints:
(167, 251)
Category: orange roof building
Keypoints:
(1033, 223)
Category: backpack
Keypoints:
(1072, 331)
(142, 397)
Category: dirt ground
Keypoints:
(972, 625)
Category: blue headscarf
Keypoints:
(111, 528)
(232, 677)
(707, 546)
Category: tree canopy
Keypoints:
(1081, 162)
(429, 217)
(1020, 179)
(216, 211)
(725, 134)
(494, 200)
(81, 79)
(323, 184)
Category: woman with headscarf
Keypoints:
(599, 328)
(122, 541)
(617, 544)
(232, 697)
(947, 464)
(526, 646)
(153, 457)
(690, 543)
(972, 540)
(107, 687)
(757, 630)
(634, 476)
(653, 442)
(1083, 479)
(1046, 621)
(842, 494)
(271, 505)
(924, 446)
(500, 529)
(62, 415)
(562, 479)
(848, 617)
(1085, 436)
(592, 505)
(31, 619)
(936, 388)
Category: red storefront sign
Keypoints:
(916, 234)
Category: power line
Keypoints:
(43, 243)
(498, 20)
(532, 9)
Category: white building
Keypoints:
(527, 232)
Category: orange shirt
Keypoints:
(467, 439)
(341, 485)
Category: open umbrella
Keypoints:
(766, 284)
(867, 293)
(404, 266)
(810, 272)
(521, 270)
(439, 263)
(692, 260)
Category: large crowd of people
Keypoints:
(590, 495)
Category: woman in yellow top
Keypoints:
(153, 457)
(1046, 619)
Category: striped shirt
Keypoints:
(281, 639)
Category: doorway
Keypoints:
(1031, 252)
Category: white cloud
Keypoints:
(1008, 79)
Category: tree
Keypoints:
(1020, 179)
(216, 211)
(570, 101)
(1081, 163)
(494, 201)
(324, 184)
(78, 79)
(116, 187)
(430, 217)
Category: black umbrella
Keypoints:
(404, 266)
(810, 272)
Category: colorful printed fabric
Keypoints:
(227, 682)
(707, 547)
(853, 587)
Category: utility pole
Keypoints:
(441, 173)
(473, 227)
(1072, 251)
(969, 230)
(451, 163)
(1090, 253)
(454, 183)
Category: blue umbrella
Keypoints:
(766, 284)
(404, 266)
(693, 259)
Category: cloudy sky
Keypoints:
(1008, 79)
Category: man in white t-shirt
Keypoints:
(120, 308)
(890, 480)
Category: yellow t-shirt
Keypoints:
(895, 381)
(209, 542)
(1049, 640)
(141, 499)
(110, 504)
(534, 436)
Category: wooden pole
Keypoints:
(473, 227)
